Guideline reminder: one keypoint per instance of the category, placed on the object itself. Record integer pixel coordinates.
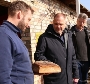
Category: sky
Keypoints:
(85, 3)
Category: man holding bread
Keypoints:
(55, 45)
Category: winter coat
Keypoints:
(51, 48)
(15, 64)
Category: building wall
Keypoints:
(43, 15)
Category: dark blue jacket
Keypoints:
(15, 64)
(51, 48)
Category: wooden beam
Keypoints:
(84, 11)
(69, 1)
(4, 3)
(72, 6)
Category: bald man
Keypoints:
(55, 45)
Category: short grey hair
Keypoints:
(83, 15)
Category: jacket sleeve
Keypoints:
(40, 49)
(75, 65)
(6, 61)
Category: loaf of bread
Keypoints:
(45, 67)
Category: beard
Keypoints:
(21, 25)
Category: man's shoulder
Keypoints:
(69, 33)
(43, 35)
(86, 28)
(73, 28)
(2, 27)
(3, 30)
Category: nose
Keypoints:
(58, 26)
(82, 23)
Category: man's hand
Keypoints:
(75, 80)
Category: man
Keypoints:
(56, 45)
(82, 46)
(15, 64)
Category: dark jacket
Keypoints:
(51, 48)
(15, 64)
(87, 33)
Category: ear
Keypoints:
(77, 19)
(19, 15)
(53, 21)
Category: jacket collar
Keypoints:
(74, 28)
(12, 26)
(51, 30)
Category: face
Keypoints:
(59, 24)
(25, 21)
(81, 23)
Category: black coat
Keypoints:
(51, 48)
